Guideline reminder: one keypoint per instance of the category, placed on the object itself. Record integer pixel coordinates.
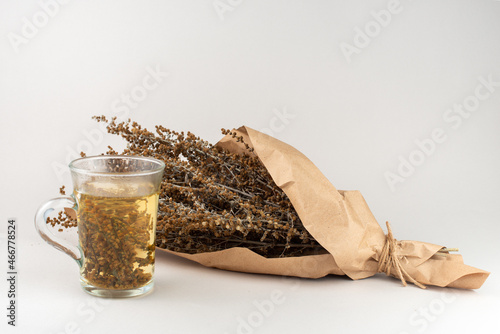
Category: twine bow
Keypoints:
(389, 259)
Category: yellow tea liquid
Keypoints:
(117, 237)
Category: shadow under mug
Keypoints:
(116, 204)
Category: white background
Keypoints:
(354, 116)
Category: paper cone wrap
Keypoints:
(340, 221)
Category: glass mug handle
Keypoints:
(42, 227)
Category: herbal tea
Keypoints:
(117, 237)
(116, 202)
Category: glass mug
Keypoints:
(116, 204)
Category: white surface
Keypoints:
(353, 119)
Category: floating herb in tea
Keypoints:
(117, 240)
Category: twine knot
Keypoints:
(389, 260)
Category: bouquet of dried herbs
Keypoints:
(252, 203)
(212, 199)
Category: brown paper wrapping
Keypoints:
(340, 221)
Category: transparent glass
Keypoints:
(116, 203)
